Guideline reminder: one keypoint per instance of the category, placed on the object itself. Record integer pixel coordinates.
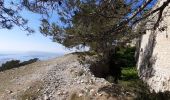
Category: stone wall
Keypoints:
(154, 55)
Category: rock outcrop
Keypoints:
(154, 54)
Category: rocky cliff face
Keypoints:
(154, 55)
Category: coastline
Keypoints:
(27, 56)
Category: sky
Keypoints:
(17, 40)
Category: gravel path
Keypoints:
(57, 79)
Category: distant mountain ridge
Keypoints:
(27, 56)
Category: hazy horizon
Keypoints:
(4, 57)
(17, 40)
(19, 52)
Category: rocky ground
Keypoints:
(62, 78)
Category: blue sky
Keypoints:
(16, 40)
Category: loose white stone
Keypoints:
(80, 95)
(92, 92)
(9, 91)
(46, 97)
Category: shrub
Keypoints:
(16, 63)
(29, 61)
(10, 64)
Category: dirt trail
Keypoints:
(56, 79)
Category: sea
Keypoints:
(24, 56)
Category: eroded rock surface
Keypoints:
(154, 56)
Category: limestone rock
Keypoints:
(154, 56)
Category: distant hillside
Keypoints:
(27, 56)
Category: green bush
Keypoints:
(126, 56)
(29, 61)
(10, 64)
(16, 63)
(131, 82)
(129, 73)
